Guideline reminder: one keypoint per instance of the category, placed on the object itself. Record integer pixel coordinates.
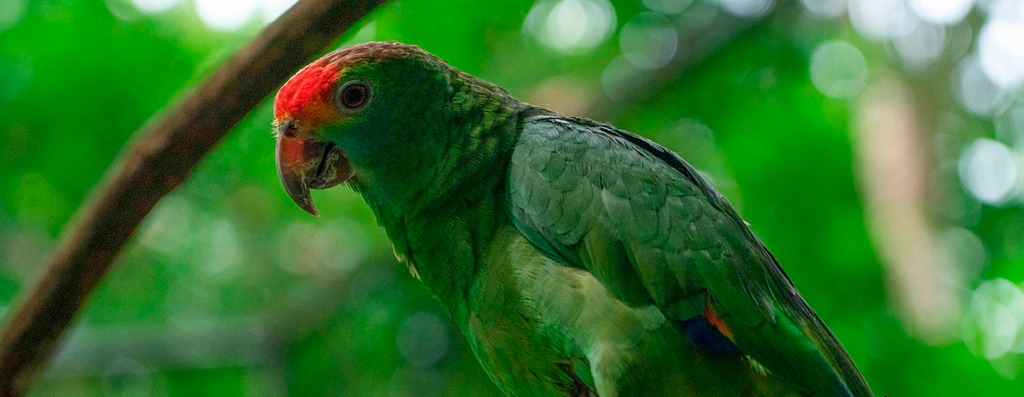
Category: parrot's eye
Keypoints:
(354, 95)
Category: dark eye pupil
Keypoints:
(353, 96)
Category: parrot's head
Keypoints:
(353, 113)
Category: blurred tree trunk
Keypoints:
(895, 170)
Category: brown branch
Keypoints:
(160, 159)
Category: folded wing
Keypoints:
(653, 231)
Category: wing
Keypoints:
(652, 230)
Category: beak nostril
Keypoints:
(287, 129)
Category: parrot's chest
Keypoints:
(538, 326)
(521, 351)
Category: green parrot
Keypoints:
(577, 259)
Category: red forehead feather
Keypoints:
(306, 95)
(310, 85)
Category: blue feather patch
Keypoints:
(703, 335)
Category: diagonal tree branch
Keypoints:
(161, 157)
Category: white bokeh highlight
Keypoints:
(921, 46)
(1001, 50)
(571, 26)
(995, 319)
(648, 40)
(226, 15)
(945, 12)
(988, 170)
(838, 69)
(10, 13)
(155, 6)
(975, 91)
(825, 8)
(881, 19)
(747, 8)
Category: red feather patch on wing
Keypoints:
(717, 322)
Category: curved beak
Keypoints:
(308, 163)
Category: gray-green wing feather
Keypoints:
(653, 231)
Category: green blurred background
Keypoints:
(874, 145)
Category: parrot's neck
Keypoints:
(442, 218)
(449, 149)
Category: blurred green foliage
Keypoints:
(229, 289)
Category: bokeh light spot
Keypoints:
(226, 15)
(838, 69)
(340, 245)
(296, 250)
(699, 15)
(988, 170)
(10, 13)
(124, 10)
(825, 8)
(881, 19)
(168, 229)
(223, 249)
(994, 319)
(747, 8)
(620, 78)
(155, 6)
(571, 26)
(649, 40)
(1001, 50)
(946, 12)
(965, 252)
(977, 93)
(667, 6)
(922, 45)
(422, 339)
(959, 38)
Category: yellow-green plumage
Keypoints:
(577, 259)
